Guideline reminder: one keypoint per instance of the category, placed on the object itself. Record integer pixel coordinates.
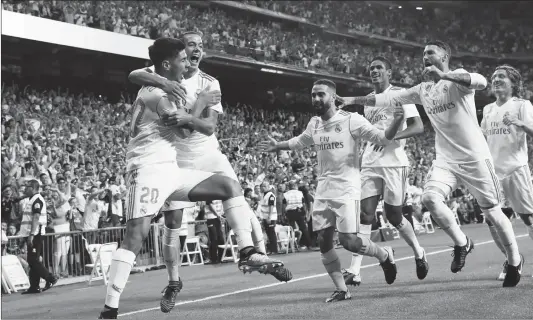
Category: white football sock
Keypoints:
(333, 267)
(119, 273)
(239, 220)
(171, 252)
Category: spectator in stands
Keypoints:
(296, 212)
(213, 215)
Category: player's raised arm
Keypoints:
(471, 81)
(361, 128)
(388, 99)
(305, 139)
(413, 121)
(148, 77)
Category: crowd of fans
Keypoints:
(307, 48)
(74, 144)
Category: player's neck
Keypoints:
(502, 99)
(329, 114)
(381, 87)
(190, 73)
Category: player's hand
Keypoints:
(175, 89)
(398, 112)
(509, 119)
(209, 98)
(433, 72)
(268, 145)
(343, 101)
(176, 118)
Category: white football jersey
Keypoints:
(151, 142)
(197, 143)
(452, 111)
(393, 154)
(508, 144)
(337, 143)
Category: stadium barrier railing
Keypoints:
(66, 254)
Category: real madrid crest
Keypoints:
(338, 128)
(317, 123)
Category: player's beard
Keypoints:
(321, 107)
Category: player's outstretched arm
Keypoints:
(361, 128)
(147, 77)
(300, 142)
(415, 126)
(472, 80)
(389, 99)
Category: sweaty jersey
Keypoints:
(393, 154)
(337, 142)
(151, 142)
(452, 111)
(508, 144)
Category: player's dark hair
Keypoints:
(515, 77)
(386, 62)
(443, 45)
(326, 82)
(164, 49)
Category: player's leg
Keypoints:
(173, 213)
(148, 187)
(520, 189)
(393, 197)
(257, 233)
(440, 182)
(371, 190)
(347, 214)
(204, 186)
(480, 178)
(324, 224)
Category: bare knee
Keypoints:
(136, 231)
(527, 218)
(325, 239)
(394, 214)
(350, 241)
(368, 210)
(432, 199)
(173, 218)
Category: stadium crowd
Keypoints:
(307, 48)
(74, 144)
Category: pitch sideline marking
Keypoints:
(231, 293)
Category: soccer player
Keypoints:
(462, 154)
(384, 172)
(154, 176)
(336, 135)
(506, 123)
(200, 150)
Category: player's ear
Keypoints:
(389, 73)
(165, 64)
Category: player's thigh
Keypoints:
(518, 190)
(481, 180)
(148, 188)
(199, 185)
(217, 163)
(395, 179)
(347, 213)
(371, 183)
(170, 205)
(323, 216)
(440, 179)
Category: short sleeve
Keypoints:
(271, 200)
(213, 86)
(526, 112)
(410, 111)
(305, 139)
(360, 128)
(37, 206)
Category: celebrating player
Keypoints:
(506, 123)
(462, 154)
(200, 151)
(336, 136)
(384, 172)
(153, 176)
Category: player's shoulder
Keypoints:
(520, 101)
(373, 93)
(396, 88)
(489, 107)
(206, 76)
(459, 70)
(148, 93)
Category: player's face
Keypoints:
(322, 98)
(178, 66)
(434, 56)
(194, 48)
(379, 72)
(501, 84)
